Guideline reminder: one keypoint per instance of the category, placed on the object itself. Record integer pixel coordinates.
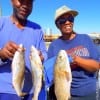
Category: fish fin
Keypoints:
(67, 75)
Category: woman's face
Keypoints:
(65, 23)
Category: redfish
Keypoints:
(37, 71)
(62, 76)
(18, 69)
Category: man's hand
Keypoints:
(7, 52)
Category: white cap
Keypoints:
(63, 10)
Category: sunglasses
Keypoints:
(63, 20)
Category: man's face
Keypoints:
(65, 23)
(22, 8)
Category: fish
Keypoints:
(62, 76)
(18, 70)
(37, 71)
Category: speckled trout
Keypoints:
(37, 70)
(62, 76)
(18, 69)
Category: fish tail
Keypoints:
(35, 98)
(22, 94)
(18, 91)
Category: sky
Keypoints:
(87, 21)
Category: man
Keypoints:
(15, 30)
(83, 51)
